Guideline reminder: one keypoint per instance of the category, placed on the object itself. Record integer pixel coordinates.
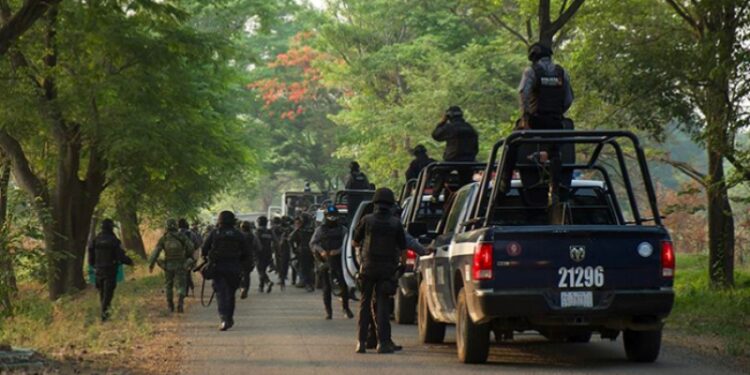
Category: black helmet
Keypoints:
(171, 224)
(454, 112)
(108, 225)
(384, 196)
(419, 150)
(354, 166)
(183, 224)
(305, 217)
(276, 221)
(262, 221)
(226, 218)
(245, 226)
(539, 50)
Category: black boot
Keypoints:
(170, 306)
(329, 313)
(385, 348)
(270, 285)
(243, 293)
(361, 347)
(349, 314)
(181, 305)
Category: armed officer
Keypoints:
(461, 145)
(105, 255)
(227, 252)
(382, 240)
(282, 251)
(421, 160)
(252, 240)
(327, 243)
(357, 180)
(300, 242)
(196, 240)
(545, 93)
(178, 259)
(268, 242)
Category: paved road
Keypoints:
(285, 333)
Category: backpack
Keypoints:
(174, 247)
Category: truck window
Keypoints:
(455, 211)
(588, 206)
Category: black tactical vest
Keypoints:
(358, 181)
(105, 250)
(380, 251)
(550, 91)
(227, 244)
(332, 238)
(266, 240)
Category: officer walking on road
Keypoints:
(252, 240)
(382, 240)
(300, 241)
(327, 243)
(227, 252)
(178, 259)
(281, 251)
(268, 242)
(196, 240)
(105, 255)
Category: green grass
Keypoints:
(722, 315)
(71, 326)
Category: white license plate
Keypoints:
(576, 299)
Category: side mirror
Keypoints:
(417, 229)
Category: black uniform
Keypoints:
(461, 140)
(300, 242)
(229, 250)
(105, 254)
(268, 243)
(252, 260)
(329, 238)
(420, 161)
(382, 238)
(357, 181)
(282, 252)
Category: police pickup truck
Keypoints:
(501, 267)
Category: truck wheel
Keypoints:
(430, 331)
(472, 340)
(405, 308)
(642, 346)
(580, 338)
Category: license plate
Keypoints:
(576, 299)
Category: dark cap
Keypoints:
(354, 166)
(418, 150)
(454, 111)
(384, 196)
(262, 221)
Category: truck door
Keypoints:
(442, 267)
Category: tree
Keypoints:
(657, 63)
(124, 90)
(13, 25)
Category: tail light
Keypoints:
(411, 258)
(482, 266)
(667, 259)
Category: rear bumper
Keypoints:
(621, 309)
(408, 284)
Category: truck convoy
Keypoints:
(603, 264)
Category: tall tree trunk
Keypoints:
(720, 225)
(7, 273)
(130, 229)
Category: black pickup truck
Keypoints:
(502, 266)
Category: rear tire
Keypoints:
(642, 346)
(472, 339)
(430, 331)
(405, 308)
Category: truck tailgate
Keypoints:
(578, 257)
